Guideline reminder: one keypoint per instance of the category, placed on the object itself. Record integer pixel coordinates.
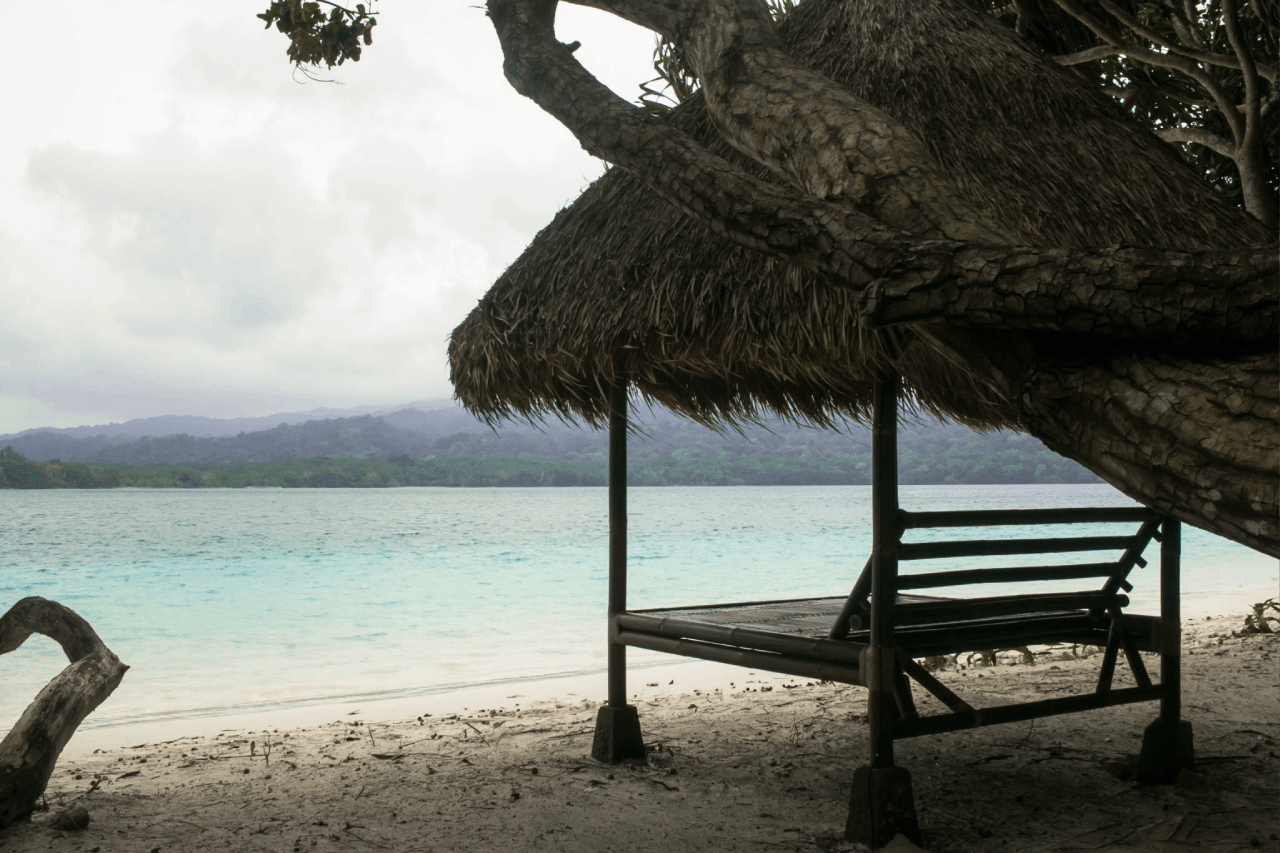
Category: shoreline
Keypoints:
(520, 691)
(727, 770)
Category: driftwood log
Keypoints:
(31, 749)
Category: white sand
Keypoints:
(763, 764)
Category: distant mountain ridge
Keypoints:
(200, 426)
(928, 450)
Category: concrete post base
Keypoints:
(881, 805)
(1167, 747)
(618, 737)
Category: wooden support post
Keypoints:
(885, 535)
(1171, 620)
(1167, 744)
(881, 803)
(617, 735)
(617, 538)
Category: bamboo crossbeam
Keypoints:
(749, 658)
(940, 723)
(861, 588)
(1011, 574)
(1132, 556)
(992, 547)
(818, 649)
(934, 686)
(957, 609)
(995, 517)
(728, 605)
(950, 639)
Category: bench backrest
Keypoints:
(1111, 576)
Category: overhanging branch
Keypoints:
(1225, 299)
(1116, 293)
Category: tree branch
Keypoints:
(30, 750)
(1200, 136)
(1258, 198)
(1114, 293)
(1207, 57)
(1174, 289)
(801, 126)
(1226, 105)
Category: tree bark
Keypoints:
(1153, 294)
(1225, 300)
(863, 204)
(30, 750)
(1197, 439)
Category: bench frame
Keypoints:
(879, 632)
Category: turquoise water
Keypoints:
(243, 599)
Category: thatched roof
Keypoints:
(719, 333)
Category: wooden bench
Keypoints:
(827, 637)
(876, 635)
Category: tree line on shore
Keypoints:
(678, 468)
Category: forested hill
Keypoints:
(669, 450)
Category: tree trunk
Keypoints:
(1194, 438)
(31, 749)
(991, 265)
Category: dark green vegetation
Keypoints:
(17, 472)
(1261, 619)
(439, 449)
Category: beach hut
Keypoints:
(621, 293)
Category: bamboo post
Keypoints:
(1168, 746)
(1171, 620)
(881, 801)
(617, 735)
(884, 572)
(617, 538)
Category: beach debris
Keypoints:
(70, 820)
(30, 750)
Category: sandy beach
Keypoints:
(738, 761)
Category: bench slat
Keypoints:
(989, 517)
(993, 547)
(996, 633)
(964, 610)
(1012, 574)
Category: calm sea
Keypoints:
(234, 600)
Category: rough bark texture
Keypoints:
(1119, 293)
(1190, 436)
(1143, 365)
(31, 749)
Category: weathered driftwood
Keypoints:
(31, 749)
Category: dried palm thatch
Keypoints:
(721, 334)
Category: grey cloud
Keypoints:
(231, 232)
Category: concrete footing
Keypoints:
(881, 806)
(618, 737)
(1167, 747)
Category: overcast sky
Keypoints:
(186, 229)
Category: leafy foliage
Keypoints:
(1259, 621)
(1167, 91)
(17, 472)
(316, 37)
(1173, 66)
